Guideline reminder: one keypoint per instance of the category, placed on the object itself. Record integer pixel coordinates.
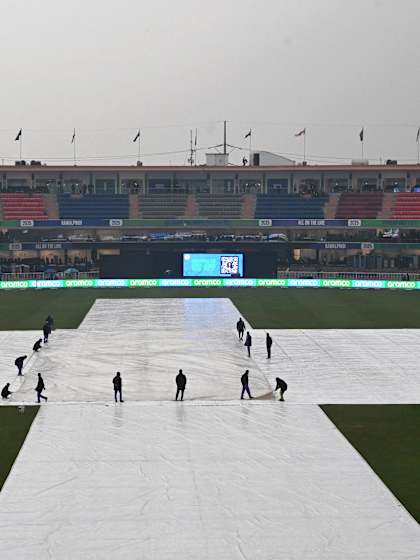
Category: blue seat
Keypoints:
(91, 206)
(287, 206)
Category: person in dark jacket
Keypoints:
(240, 327)
(248, 343)
(181, 382)
(245, 385)
(46, 329)
(50, 322)
(281, 387)
(39, 388)
(19, 363)
(5, 391)
(269, 344)
(117, 382)
(37, 345)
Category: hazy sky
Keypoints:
(276, 66)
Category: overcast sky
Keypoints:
(276, 66)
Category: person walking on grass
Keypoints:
(181, 382)
(245, 385)
(5, 391)
(19, 363)
(39, 388)
(281, 387)
(240, 327)
(269, 344)
(248, 343)
(117, 382)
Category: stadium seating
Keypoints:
(359, 205)
(407, 206)
(162, 205)
(283, 205)
(227, 206)
(101, 206)
(22, 206)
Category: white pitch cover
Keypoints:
(212, 477)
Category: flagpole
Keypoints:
(138, 154)
(74, 147)
(418, 146)
(250, 146)
(20, 146)
(304, 146)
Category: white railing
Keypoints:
(359, 275)
(8, 276)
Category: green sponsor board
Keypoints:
(272, 282)
(207, 282)
(143, 283)
(391, 223)
(335, 283)
(402, 285)
(14, 284)
(85, 283)
(9, 224)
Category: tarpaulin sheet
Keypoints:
(210, 477)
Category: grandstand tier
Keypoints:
(162, 205)
(220, 205)
(283, 205)
(359, 205)
(407, 206)
(93, 206)
(21, 206)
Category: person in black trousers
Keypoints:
(248, 343)
(245, 385)
(50, 321)
(19, 363)
(5, 391)
(46, 329)
(281, 387)
(269, 344)
(37, 345)
(181, 382)
(39, 388)
(240, 327)
(117, 381)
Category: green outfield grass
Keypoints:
(13, 430)
(387, 436)
(264, 307)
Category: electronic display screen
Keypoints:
(220, 265)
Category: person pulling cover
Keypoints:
(19, 363)
(281, 387)
(248, 343)
(240, 327)
(39, 388)
(117, 382)
(245, 385)
(5, 391)
(181, 382)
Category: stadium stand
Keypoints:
(93, 206)
(220, 205)
(162, 205)
(359, 205)
(283, 205)
(22, 206)
(407, 206)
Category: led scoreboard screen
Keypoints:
(216, 265)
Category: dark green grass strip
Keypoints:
(14, 427)
(264, 308)
(388, 437)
